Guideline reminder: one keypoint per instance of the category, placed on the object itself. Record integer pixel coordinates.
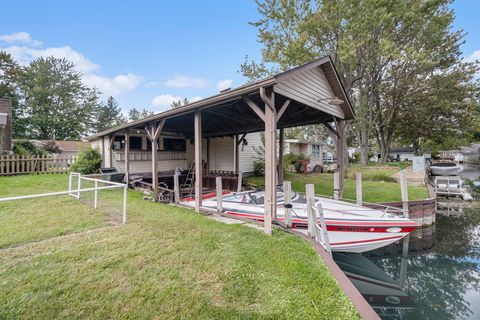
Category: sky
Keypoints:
(148, 53)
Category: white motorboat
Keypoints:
(444, 169)
(351, 228)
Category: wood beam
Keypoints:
(127, 156)
(341, 153)
(254, 107)
(236, 154)
(153, 133)
(282, 109)
(198, 159)
(280, 154)
(112, 140)
(332, 130)
(270, 161)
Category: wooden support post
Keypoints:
(270, 160)
(336, 185)
(240, 178)
(110, 150)
(153, 132)
(198, 160)
(154, 143)
(219, 194)
(323, 236)
(341, 150)
(127, 156)
(287, 200)
(176, 187)
(404, 191)
(359, 190)
(236, 155)
(280, 155)
(311, 216)
(103, 152)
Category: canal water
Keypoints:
(439, 277)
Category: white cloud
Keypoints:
(474, 56)
(224, 84)
(180, 81)
(151, 84)
(194, 99)
(114, 86)
(165, 100)
(19, 37)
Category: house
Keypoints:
(316, 152)
(5, 126)
(400, 154)
(209, 134)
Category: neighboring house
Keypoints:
(69, 148)
(400, 154)
(316, 152)
(469, 153)
(5, 125)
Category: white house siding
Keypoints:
(222, 154)
(248, 154)
(146, 166)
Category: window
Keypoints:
(174, 144)
(135, 143)
(315, 151)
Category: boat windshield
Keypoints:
(444, 164)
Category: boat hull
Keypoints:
(444, 171)
(350, 228)
(349, 236)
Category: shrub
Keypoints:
(25, 147)
(51, 147)
(88, 161)
(295, 159)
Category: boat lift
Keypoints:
(450, 186)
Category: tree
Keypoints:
(384, 50)
(9, 70)
(134, 114)
(180, 103)
(54, 103)
(108, 115)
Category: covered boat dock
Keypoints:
(305, 95)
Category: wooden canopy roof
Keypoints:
(308, 87)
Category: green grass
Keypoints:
(166, 263)
(373, 190)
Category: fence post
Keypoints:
(176, 187)
(287, 200)
(336, 185)
(359, 190)
(124, 214)
(70, 182)
(95, 200)
(240, 177)
(324, 233)
(310, 194)
(219, 194)
(78, 186)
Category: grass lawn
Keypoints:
(59, 258)
(374, 188)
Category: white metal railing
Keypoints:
(76, 192)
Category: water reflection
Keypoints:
(438, 279)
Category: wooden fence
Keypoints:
(15, 164)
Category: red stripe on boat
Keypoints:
(351, 227)
(206, 196)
